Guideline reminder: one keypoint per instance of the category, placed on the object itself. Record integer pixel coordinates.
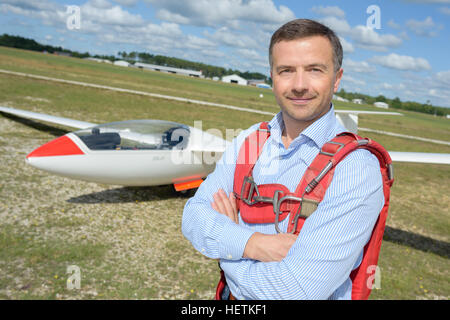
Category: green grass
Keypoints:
(48, 259)
(414, 258)
(127, 241)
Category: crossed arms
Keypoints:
(261, 265)
(260, 247)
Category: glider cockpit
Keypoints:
(136, 135)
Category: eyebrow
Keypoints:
(283, 67)
(312, 65)
(320, 65)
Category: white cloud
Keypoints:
(213, 53)
(428, 1)
(101, 4)
(442, 78)
(396, 87)
(399, 62)
(194, 42)
(47, 12)
(362, 36)
(349, 79)
(126, 3)
(369, 39)
(166, 15)
(358, 66)
(445, 10)
(102, 12)
(32, 5)
(435, 87)
(94, 13)
(333, 11)
(254, 57)
(426, 28)
(391, 23)
(222, 13)
(338, 25)
(347, 47)
(226, 37)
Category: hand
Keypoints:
(269, 247)
(225, 205)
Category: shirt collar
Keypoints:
(320, 131)
(276, 126)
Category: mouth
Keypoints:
(300, 100)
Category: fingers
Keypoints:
(288, 239)
(234, 207)
(225, 205)
(220, 206)
(233, 202)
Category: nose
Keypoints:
(62, 146)
(300, 82)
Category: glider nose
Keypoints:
(62, 146)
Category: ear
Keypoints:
(337, 79)
(271, 77)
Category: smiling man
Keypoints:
(259, 257)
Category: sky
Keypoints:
(397, 48)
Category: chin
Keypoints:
(305, 113)
(299, 116)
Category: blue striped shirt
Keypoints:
(331, 241)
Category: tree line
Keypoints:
(207, 70)
(210, 71)
(396, 103)
(30, 44)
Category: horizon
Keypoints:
(397, 49)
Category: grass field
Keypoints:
(127, 242)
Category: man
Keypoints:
(259, 263)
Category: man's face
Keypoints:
(304, 79)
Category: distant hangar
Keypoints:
(234, 78)
(154, 67)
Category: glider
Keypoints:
(143, 152)
(128, 153)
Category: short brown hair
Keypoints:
(302, 28)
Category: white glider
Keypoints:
(144, 152)
(128, 153)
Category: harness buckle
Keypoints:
(276, 201)
(253, 187)
(250, 199)
(276, 207)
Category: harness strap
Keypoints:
(255, 201)
(319, 174)
(249, 153)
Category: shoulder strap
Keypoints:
(319, 174)
(249, 153)
(314, 184)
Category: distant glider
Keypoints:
(143, 152)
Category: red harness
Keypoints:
(272, 203)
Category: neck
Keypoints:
(292, 129)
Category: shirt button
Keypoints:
(229, 256)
